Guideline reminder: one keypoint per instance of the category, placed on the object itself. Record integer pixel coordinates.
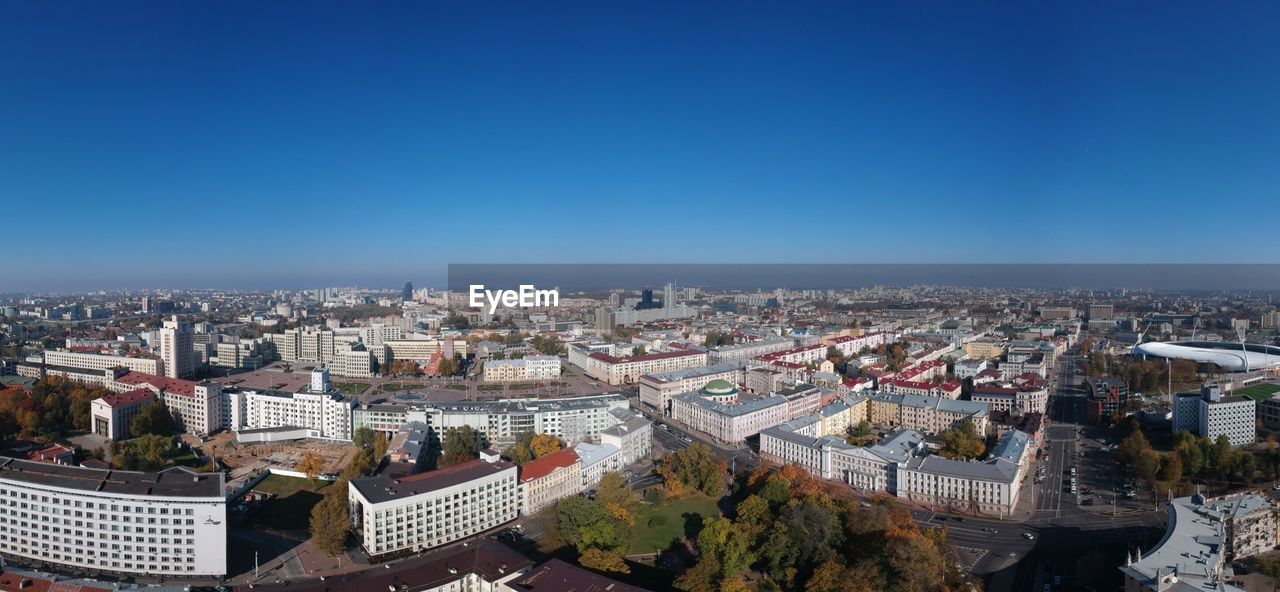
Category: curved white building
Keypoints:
(172, 523)
(1230, 356)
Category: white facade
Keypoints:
(328, 414)
(526, 368)
(101, 362)
(596, 460)
(427, 510)
(633, 437)
(172, 523)
(177, 348)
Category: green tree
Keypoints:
(584, 523)
(722, 539)
(962, 442)
(363, 438)
(702, 577)
(460, 445)
(693, 468)
(152, 419)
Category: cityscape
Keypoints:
(639, 297)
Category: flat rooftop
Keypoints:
(381, 488)
(174, 482)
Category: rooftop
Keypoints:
(541, 467)
(381, 488)
(173, 482)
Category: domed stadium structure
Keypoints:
(1231, 356)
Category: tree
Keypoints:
(606, 561)
(702, 577)
(584, 523)
(460, 445)
(962, 442)
(380, 445)
(617, 498)
(694, 467)
(544, 444)
(915, 561)
(363, 438)
(863, 430)
(753, 514)
(362, 465)
(1271, 567)
(519, 454)
(152, 419)
(722, 539)
(829, 577)
(311, 465)
(329, 525)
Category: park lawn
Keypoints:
(351, 388)
(456, 387)
(491, 387)
(658, 525)
(291, 508)
(1259, 392)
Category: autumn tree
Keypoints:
(329, 525)
(602, 560)
(311, 465)
(544, 444)
(962, 442)
(152, 419)
(693, 468)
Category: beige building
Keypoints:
(546, 480)
(628, 369)
(177, 347)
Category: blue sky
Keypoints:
(298, 144)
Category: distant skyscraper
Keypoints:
(646, 300)
(406, 293)
(669, 295)
(146, 304)
(176, 347)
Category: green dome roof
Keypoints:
(719, 387)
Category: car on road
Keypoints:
(990, 530)
(1028, 536)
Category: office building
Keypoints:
(177, 348)
(112, 416)
(526, 368)
(88, 361)
(428, 510)
(656, 390)
(632, 436)
(196, 407)
(617, 370)
(716, 410)
(171, 523)
(990, 487)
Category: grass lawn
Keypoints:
(1259, 392)
(657, 526)
(490, 387)
(351, 388)
(457, 387)
(399, 386)
(291, 508)
(523, 386)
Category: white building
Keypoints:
(633, 437)
(989, 487)
(103, 362)
(112, 416)
(596, 460)
(177, 348)
(1210, 414)
(656, 390)
(167, 524)
(1191, 556)
(628, 369)
(427, 510)
(717, 411)
(196, 407)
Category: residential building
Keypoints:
(1210, 414)
(572, 419)
(1250, 521)
(990, 487)
(545, 480)
(633, 436)
(428, 510)
(1107, 396)
(628, 369)
(596, 460)
(926, 414)
(171, 523)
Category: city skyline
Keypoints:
(178, 145)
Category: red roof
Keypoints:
(173, 386)
(541, 467)
(132, 397)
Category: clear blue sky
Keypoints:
(260, 144)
